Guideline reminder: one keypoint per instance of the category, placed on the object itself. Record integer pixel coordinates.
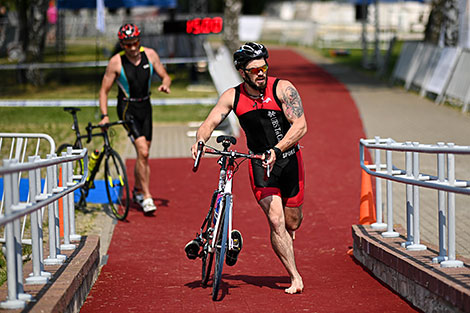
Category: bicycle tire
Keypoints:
(207, 233)
(117, 186)
(220, 251)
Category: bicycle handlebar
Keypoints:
(90, 127)
(230, 154)
(200, 147)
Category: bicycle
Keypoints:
(116, 183)
(216, 233)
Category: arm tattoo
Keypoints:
(293, 103)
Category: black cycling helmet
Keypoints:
(128, 31)
(249, 51)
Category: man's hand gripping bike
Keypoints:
(216, 236)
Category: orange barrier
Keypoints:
(61, 207)
(367, 207)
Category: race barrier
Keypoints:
(437, 72)
(38, 169)
(444, 182)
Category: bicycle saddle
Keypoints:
(230, 139)
(71, 109)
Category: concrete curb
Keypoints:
(70, 283)
(411, 273)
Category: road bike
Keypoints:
(116, 183)
(216, 236)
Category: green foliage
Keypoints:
(57, 123)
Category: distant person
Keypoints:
(132, 69)
(271, 114)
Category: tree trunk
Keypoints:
(443, 23)
(231, 13)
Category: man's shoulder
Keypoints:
(150, 52)
(115, 60)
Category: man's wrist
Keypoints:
(277, 152)
(104, 115)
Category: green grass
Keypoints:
(57, 123)
(84, 83)
(354, 60)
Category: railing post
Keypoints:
(70, 197)
(54, 251)
(17, 233)
(36, 277)
(40, 220)
(66, 245)
(389, 233)
(409, 198)
(13, 301)
(451, 262)
(441, 200)
(416, 246)
(379, 225)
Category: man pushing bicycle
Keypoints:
(271, 114)
(133, 69)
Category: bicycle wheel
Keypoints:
(117, 186)
(221, 248)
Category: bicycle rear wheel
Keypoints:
(221, 247)
(117, 186)
(208, 257)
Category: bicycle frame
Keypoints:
(224, 191)
(109, 156)
(216, 230)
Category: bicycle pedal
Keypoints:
(192, 249)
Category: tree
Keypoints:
(442, 27)
(231, 13)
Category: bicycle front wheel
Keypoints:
(221, 247)
(117, 186)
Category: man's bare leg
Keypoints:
(142, 168)
(281, 241)
(294, 218)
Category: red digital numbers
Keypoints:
(204, 26)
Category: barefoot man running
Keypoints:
(271, 114)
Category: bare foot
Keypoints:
(296, 287)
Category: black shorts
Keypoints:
(286, 180)
(140, 114)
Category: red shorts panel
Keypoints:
(292, 201)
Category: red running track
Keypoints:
(147, 270)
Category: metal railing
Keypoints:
(37, 200)
(19, 146)
(445, 182)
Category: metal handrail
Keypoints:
(412, 177)
(20, 211)
(14, 210)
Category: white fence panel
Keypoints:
(460, 79)
(443, 71)
(428, 54)
(403, 64)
